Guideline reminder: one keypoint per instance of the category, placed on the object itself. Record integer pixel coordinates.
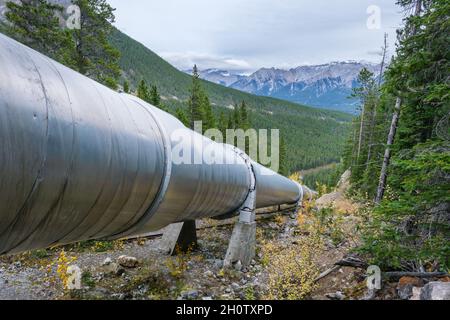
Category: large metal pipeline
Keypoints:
(79, 161)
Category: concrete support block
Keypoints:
(181, 235)
(242, 244)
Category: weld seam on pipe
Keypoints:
(252, 176)
(165, 177)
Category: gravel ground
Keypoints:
(28, 277)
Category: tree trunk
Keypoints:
(387, 153)
(374, 113)
(383, 59)
(360, 132)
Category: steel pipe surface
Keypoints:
(79, 161)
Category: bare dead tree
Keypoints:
(361, 128)
(384, 50)
(387, 154)
(393, 130)
(374, 111)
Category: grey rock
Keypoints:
(113, 269)
(273, 225)
(436, 291)
(336, 296)
(107, 261)
(99, 293)
(209, 273)
(128, 262)
(190, 295)
(218, 264)
(238, 266)
(235, 286)
(405, 292)
(207, 298)
(416, 293)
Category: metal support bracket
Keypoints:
(242, 244)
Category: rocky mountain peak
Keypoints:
(324, 86)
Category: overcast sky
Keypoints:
(244, 35)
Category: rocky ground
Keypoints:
(195, 275)
(295, 259)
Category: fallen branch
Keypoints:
(327, 272)
(352, 262)
(396, 274)
(355, 262)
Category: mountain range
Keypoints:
(326, 86)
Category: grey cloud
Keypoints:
(256, 33)
(186, 60)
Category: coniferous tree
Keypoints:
(155, 98)
(409, 228)
(95, 56)
(244, 116)
(143, 91)
(373, 128)
(209, 121)
(200, 108)
(230, 123)
(35, 24)
(223, 123)
(182, 116)
(409, 30)
(126, 86)
(237, 120)
(196, 99)
(283, 170)
(230, 126)
(87, 49)
(366, 92)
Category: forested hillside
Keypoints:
(315, 137)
